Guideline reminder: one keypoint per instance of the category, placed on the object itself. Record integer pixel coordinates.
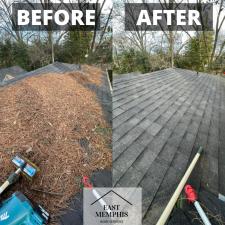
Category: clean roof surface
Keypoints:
(159, 121)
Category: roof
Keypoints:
(159, 121)
(56, 118)
(55, 67)
(103, 91)
(14, 70)
(8, 77)
(100, 178)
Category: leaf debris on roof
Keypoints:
(44, 118)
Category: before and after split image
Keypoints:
(112, 112)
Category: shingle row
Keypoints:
(159, 121)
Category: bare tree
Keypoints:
(7, 24)
(220, 20)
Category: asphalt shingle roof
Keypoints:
(159, 121)
(104, 95)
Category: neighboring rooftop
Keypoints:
(55, 67)
(12, 71)
(159, 121)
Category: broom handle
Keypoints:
(166, 213)
(4, 186)
(10, 180)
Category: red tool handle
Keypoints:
(87, 182)
(190, 193)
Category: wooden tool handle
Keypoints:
(4, 186)
(166, 213)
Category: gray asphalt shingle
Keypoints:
(159, 121)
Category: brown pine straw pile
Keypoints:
(44, 118)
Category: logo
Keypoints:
(4, 216)
(112, 206)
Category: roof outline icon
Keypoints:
(115, 194)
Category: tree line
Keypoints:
(146, 51)
(34, 49)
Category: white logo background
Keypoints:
(103, 206)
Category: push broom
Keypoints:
(24, 167)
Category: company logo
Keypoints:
(4, 216)
(113, 210)
(112, 206)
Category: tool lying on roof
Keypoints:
(18, 210)
(23, 166)
(166, 213)
(192, 197)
